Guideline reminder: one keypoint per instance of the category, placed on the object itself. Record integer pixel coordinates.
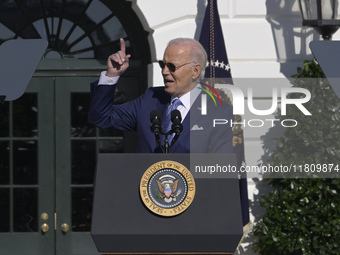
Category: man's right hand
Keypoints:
(117, 63)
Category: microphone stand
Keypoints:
(166, 146)
(157, 129)
(158, 139)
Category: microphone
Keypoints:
(156, 125)
(155, 118)
(177, 126)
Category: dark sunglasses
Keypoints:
(171, 66)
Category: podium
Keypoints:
(123, 223)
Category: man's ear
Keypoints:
(196, 71)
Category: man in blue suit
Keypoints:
(182, 65)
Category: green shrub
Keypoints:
(303, 214)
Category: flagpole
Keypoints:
(211, 44)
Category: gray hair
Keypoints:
(198, 53)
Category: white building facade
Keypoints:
(263, 38)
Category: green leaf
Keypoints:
(302, 216)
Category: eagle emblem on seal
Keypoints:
(167, 185)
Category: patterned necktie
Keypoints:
(167, 124)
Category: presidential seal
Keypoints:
(167, 188)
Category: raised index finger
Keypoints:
(122, 45)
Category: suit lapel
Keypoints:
(195, 112)
(162, 105)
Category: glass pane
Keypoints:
(4, 210)
(25, 216)
(83, 161)
(11, 15)
(310, 9)
(79, 109)
(78, 51)
(81, 209)
(25, 162)
(92, 14)
(4, 163)
(110, 35)
(328, 9)
(25, 116)
(73, 9)
(4, 119)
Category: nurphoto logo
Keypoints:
(238, 99)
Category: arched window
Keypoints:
(75, 29)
